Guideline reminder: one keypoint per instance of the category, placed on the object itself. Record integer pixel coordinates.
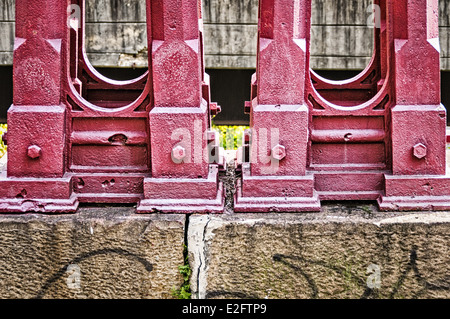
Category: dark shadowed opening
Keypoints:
(230, 89)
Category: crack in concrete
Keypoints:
(197, 252)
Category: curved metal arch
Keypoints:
(369, 76)
(94, 77)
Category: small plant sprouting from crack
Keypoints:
(184, 292)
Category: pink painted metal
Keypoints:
(378, 136)
(76, 136)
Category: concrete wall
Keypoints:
(107, 252)
(116, 33)
(345, 251)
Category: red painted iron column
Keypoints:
(377, 136)
(77, 136)
(418, 180)
(182, 178)
(275, 177)
(36, 178)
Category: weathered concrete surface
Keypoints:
(107, 252)
(332, 254)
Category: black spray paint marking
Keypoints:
(107, 251)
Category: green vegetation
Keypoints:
(230, 136)
(2, 145)
(184, 292)
(366, 209)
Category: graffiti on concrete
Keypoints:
(411, 266)
(62, 272)
(293, 262)
(314, 291)
(436, 285)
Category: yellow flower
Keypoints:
(230, 136)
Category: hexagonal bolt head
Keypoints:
(178, 153)
(279, 152)
(419, 151)
(34, 151)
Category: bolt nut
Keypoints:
(5, 138)
(178, 153)
(34, 151)
(247, 107)
(420, 151)
(215, 108)
(279, 152)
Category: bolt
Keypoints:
(420, 151)
(215, 108)
(211, 136)
(247, 107)
(279, 152)
(178, 153)
(5, 138)
(247, 136)
(34, 151)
